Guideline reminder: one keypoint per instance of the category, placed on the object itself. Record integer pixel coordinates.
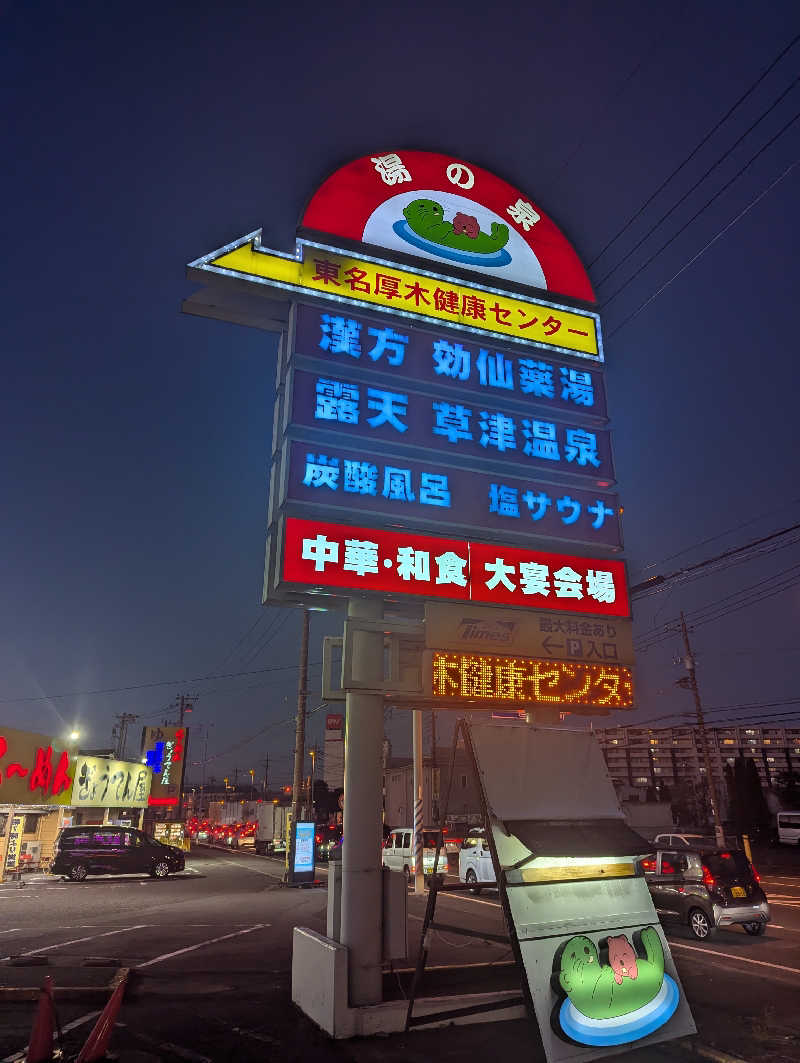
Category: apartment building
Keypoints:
(642, 757)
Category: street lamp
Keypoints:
(74, 736)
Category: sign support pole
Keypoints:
(419, 773)
(362, 889)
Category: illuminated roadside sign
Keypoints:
(319, 555)
(433, 493)
(317, 270)
(598, 640)
(103, 783)
(163, 750)
(403, 418)
(452, 364)
(304, 847)
(449, 211)
(476, 677)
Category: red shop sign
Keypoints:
(402, 562)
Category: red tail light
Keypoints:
(756, 875)
(708, 879)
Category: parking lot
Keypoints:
(210, 952)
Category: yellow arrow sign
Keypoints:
(361, 281)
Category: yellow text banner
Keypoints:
(343, 277)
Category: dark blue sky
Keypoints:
(136, 439)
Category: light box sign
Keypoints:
(103, 783)
(34, 769)
(475, 372)
(320, 271)
(432, 493)
(164, 751)
(354, 410)
(304, 848)
(598, 640)
(455, 213)
(321, 555)
(478, 677)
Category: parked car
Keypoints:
(398, 853)
(82, 851)
(685, 841)
(789, 828)
(705, 889)
(475, 860)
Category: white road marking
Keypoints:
(475, 900)
(202, 944)
(64, 1029)
(76, 941)
(733, 956)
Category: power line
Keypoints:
(149, 686)
(657, 581)
(746, 210)
(695, 150)
(720, 535)
(784, 128)
(700, 180)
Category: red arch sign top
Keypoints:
(452, 213)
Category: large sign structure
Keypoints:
(440, 438)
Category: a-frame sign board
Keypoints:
(595, 965)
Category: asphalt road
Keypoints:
(211, 949)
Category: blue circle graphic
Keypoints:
(625, 1028)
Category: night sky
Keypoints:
(135, 439)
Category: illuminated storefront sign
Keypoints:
(371, 283)
(472, 676)
(103, 783)
(163, 749)
(405, 418)
(324, 555)
(451, 212)
(455, 364)
(430, 492)
(34, 769)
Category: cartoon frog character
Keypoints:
(426, 218)
(592, 986)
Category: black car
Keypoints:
(82, 851)
(706, 888)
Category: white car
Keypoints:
(685, 841)
(398, 853)
(475, 861)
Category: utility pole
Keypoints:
(122, 732)
(266, 775)
(434, 766)
(712, 786)
(300, 733)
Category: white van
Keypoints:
(398, 853)
(475, 861)
(789, 828)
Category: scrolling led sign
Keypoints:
(477, 677)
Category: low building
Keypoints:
(459, 801)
